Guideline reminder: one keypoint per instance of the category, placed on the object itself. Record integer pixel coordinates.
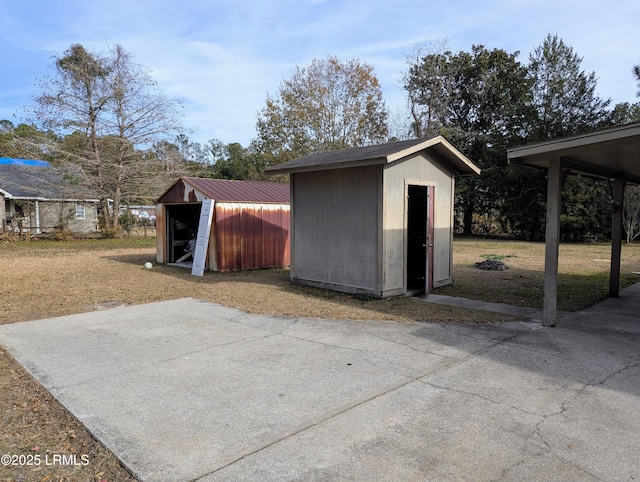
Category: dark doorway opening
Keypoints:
(182, 225)
(419, 239)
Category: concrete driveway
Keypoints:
(188, 390)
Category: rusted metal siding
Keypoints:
(251, 236)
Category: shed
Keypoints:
(375, 220)
(249, 223)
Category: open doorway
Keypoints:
(182, 226)
(420, 239)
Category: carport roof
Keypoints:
(612, 153)
(378, 154)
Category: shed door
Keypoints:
(420, 238)
(202, 240)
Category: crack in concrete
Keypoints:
(564, 406)
(477, 395)
(339, 412)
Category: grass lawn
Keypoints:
(45, 279)
(583, 272)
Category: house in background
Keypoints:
(249, 223)
(35, 199)
(375, 220)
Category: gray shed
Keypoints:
(375, 220)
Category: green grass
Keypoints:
(498, 257)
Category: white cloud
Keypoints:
(222, 57)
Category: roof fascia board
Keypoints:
(581, 140)
(456, 157)
(413, 149)
(329, 167)
(7, 195)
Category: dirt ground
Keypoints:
(47, 279)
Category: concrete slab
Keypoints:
(533, 314)
(190, 390)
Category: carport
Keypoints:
(613, 155)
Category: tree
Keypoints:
(636, 73)
(564, 96)
(565, 103)
(109, 113)
(237, 162)
(631, 212)
(427, 83)
(326, 106)
(625, 113)
(22, 141)
(478, 100)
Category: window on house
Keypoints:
(79, 211)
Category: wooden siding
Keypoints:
(251, 236)
(336, 228)
(416, 170)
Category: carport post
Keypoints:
(552, 242)
(616, 237)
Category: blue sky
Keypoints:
(222, 57)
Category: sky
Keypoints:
(221, 58)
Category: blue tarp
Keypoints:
(23, 162)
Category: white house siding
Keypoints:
(336, 226)
(418, 170)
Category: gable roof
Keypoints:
(19, 181)
(227, 190)
(378, 154)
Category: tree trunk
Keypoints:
(467, 220)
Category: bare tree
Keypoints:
(108, 112)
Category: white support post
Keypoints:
(37, 217)
(552, 242)
(616, 237)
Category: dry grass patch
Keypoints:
(49, 279)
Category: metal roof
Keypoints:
(19, 181)
(378, 154)
(612, 153)
(237, 191)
